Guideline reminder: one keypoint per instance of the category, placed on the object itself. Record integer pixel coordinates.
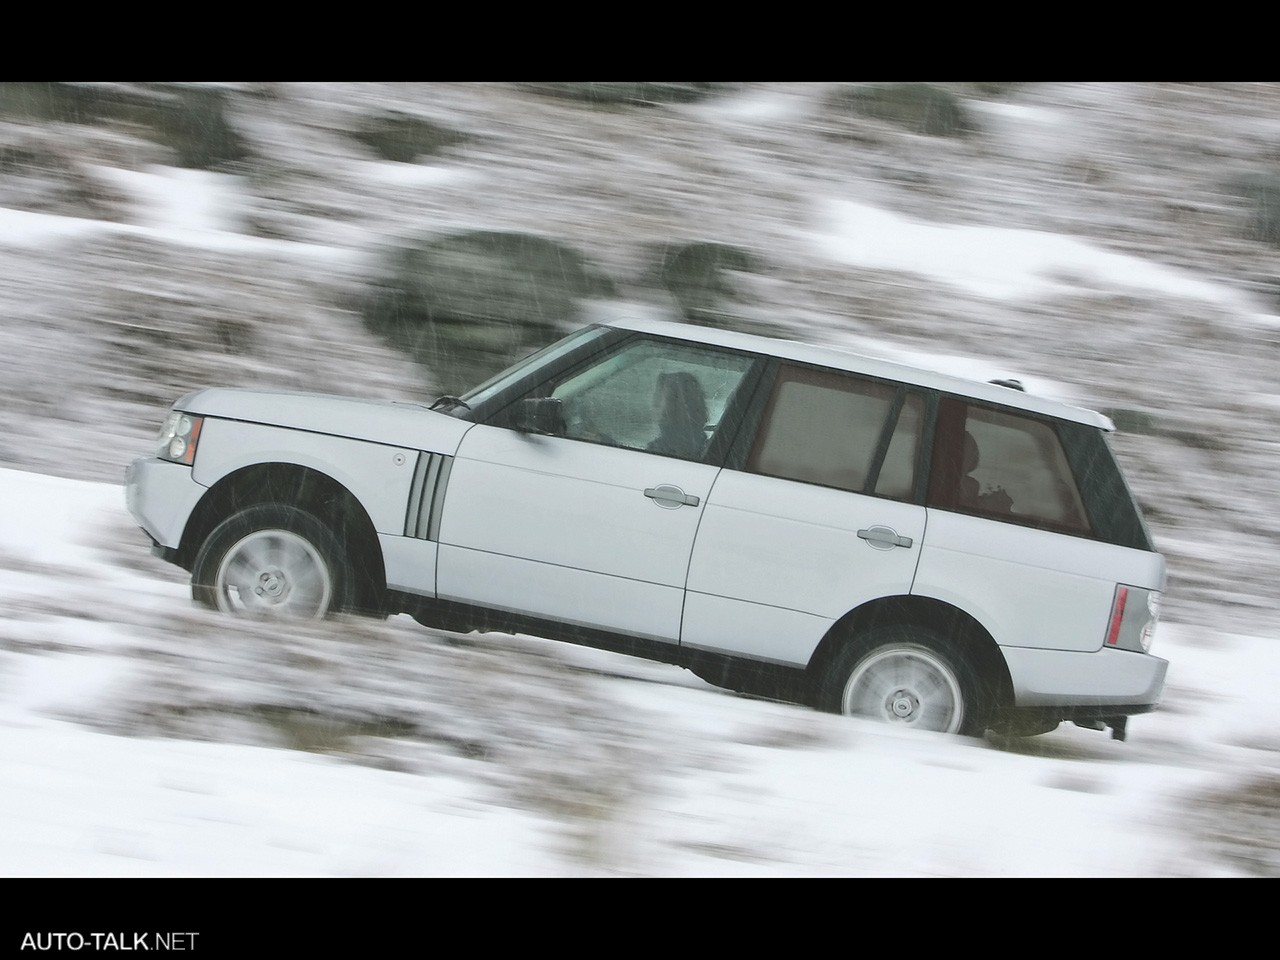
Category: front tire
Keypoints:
(272, 561)
(905, 676)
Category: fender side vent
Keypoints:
(426, 496)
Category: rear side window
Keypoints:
(1005, 465)
(836, 430)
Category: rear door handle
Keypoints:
(670, 496)
(883, 538)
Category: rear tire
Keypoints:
(906, 676)
(272, 561)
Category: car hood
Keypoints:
(396, 423)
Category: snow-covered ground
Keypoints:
(141, 736)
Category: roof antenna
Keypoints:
(1011, 384)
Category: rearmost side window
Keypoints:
(1005, 465)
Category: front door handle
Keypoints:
(883, 538)
(670, 496)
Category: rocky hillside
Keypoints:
(401, 240)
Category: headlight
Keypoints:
(179, 436)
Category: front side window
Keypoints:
(831, 429)
(529, 366)
(1004, 464)
(657, 396)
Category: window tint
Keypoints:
(547, 355)
(898, 474)
(1004, 464)
(825, 427)
(651, 395)
(1113, 512)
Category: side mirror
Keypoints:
(542, 415)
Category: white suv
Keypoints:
(782, 519)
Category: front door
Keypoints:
(592, 524)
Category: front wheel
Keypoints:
(904, 676)
(272, 561)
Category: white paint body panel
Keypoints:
(552, 520)
(1027, 587)
(567, 595)
(1062, 678)
(378, 476)
(410, 564)
(756, 630)
(393, 424)
(161, 496)
(777, 562)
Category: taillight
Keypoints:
(1117, 614)
(1134, 613)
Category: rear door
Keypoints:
(821, 515)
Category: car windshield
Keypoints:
(494, 385)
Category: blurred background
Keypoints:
(401, 241)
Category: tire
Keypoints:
(907, 676)
(272, 561)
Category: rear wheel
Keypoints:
(906, 676)
(272, 561)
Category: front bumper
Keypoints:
(161, 496)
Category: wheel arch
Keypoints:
(310, 490)
(954, 626)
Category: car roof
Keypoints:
(841, 359)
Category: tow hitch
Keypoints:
(1119, 726)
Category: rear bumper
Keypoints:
(1104, 683)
